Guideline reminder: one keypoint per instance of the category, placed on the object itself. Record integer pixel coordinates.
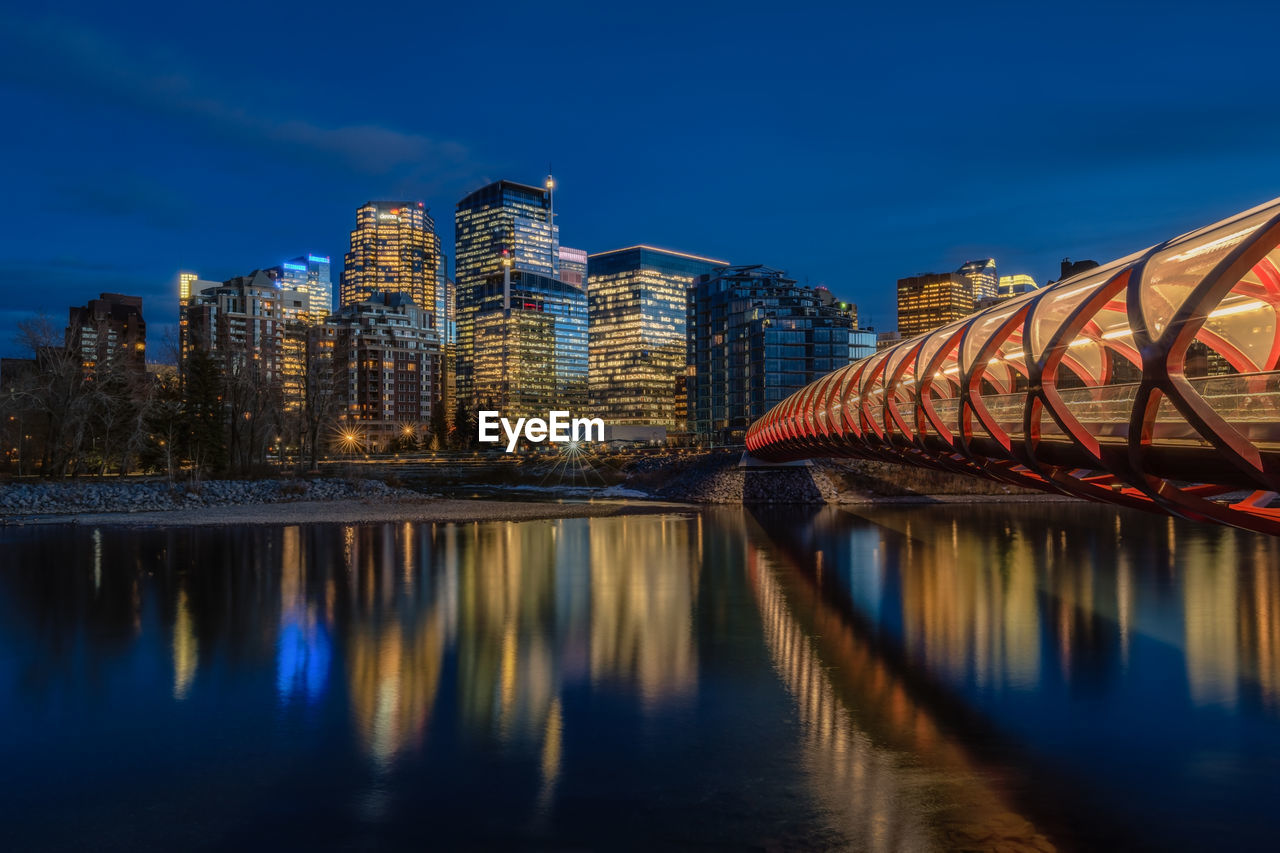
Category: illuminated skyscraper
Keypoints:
(185, 280)
(394, 249)
(638, 304)
(982, 278)
(1016, 285)
(755, 336)
(928, 301)
(573, 267)
(308, 275)
(503, 219)
(530, 344)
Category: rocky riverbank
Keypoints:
(63, 498)
(719, 480)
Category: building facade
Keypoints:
(308, 275)
(107, 334)
(239, 321)
(394, 249)
(928, 301)
(755, 336)
(1015, 285)
(504, 222)
(638, 315)
(982, 278)
(573, 266)
(383, 358)
(530, 344)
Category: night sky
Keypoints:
(848, 147)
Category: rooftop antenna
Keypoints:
(551, 219)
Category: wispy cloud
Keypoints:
(76, 60)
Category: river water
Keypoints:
(1019, 677)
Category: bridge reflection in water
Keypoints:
(975, 677)
(1152, 381)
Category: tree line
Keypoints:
(223, 414)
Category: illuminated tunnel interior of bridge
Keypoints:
(1151, 381)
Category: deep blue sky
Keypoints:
(848, 146)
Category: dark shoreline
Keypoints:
(355, 511)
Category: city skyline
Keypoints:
(847, 172)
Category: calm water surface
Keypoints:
(994, 677)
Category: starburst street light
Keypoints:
(349, 441)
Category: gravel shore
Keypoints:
(322, 500)
(357, 512)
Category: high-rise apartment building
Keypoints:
(638, 305)
(185, 281)
(573, 267)
(384, 359)
(982, 278)
(109, 333)
(755, 336)
(931, 300)
(530, 344)
(240, 322)
(502, 223)
(308, 275)
(394, 249)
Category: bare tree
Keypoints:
(320, 399)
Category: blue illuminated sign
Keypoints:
(316, 259)
(299, 267)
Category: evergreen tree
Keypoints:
(205, 440)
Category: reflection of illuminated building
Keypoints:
(303, 647)
(976, 616)
(858, 720)
(508, 669)
(641, 612)
(395, 644)
(186, 648)
(1210, 601)
(393, 672)
(1259, 615)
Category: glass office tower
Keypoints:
(573, 267)
(755, 336)
(309, 276)
(394, 249)
(982, 278)
(637, 301)
(530, 344)
(929, 301)
(503, 219)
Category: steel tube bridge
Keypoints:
(1152, 381)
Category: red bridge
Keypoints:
(1151, 381)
